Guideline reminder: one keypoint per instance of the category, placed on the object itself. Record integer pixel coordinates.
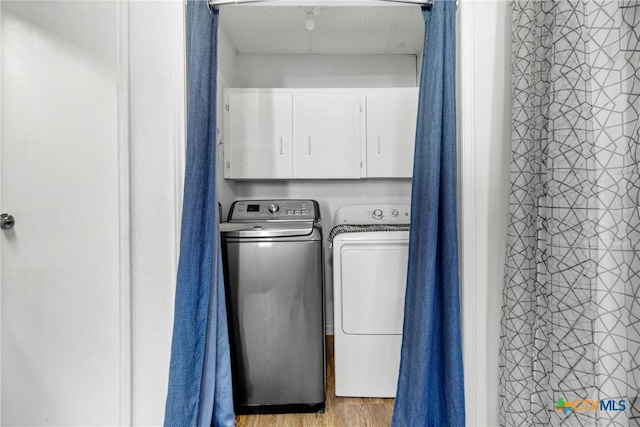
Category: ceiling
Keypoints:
(354, 30)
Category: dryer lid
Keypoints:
(266, 229)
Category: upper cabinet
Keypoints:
(327, 133)
(260, 134)
(319, 133)
(391, 131)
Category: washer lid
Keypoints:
(266, 229)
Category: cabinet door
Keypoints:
(391, 132)
(328, 135)
(260, 135)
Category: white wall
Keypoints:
(490, 91)
(318, 71)
(314, 71)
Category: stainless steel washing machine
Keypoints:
(273, 268)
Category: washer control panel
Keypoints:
(374, 214)
(274, 210)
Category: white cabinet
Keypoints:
(327, 133)
(391, 129)
(319, 133)
(259, 133)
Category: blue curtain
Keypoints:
(200, 372)
(430, 383)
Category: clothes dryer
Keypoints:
(370, 256)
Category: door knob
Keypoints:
(6, 221)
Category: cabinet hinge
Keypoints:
(361, 108)
(228, 164)
(226, 106)
(361, 165)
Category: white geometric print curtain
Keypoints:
(570, 342)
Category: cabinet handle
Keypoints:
(281, 146)
(378, 144)
(309, 145)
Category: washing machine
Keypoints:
(273, 268)
(370, 256)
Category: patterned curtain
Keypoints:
(570, 344)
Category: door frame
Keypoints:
(474, 302)
(1, 207)
(473, 292)
(124, 211)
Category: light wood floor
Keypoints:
(340, 411)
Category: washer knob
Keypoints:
(394, 213)
(273, 208)
(377, 214)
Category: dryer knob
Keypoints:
(377, 214)
(273, 208)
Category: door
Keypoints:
(373, 282)
(260, 135)
(59, 326)
(328, 134)
(391, 132)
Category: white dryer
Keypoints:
(370, 256)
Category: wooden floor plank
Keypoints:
(339, 412)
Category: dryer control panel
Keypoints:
(382, 213)
(274, 210)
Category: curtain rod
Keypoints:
(213, 4)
